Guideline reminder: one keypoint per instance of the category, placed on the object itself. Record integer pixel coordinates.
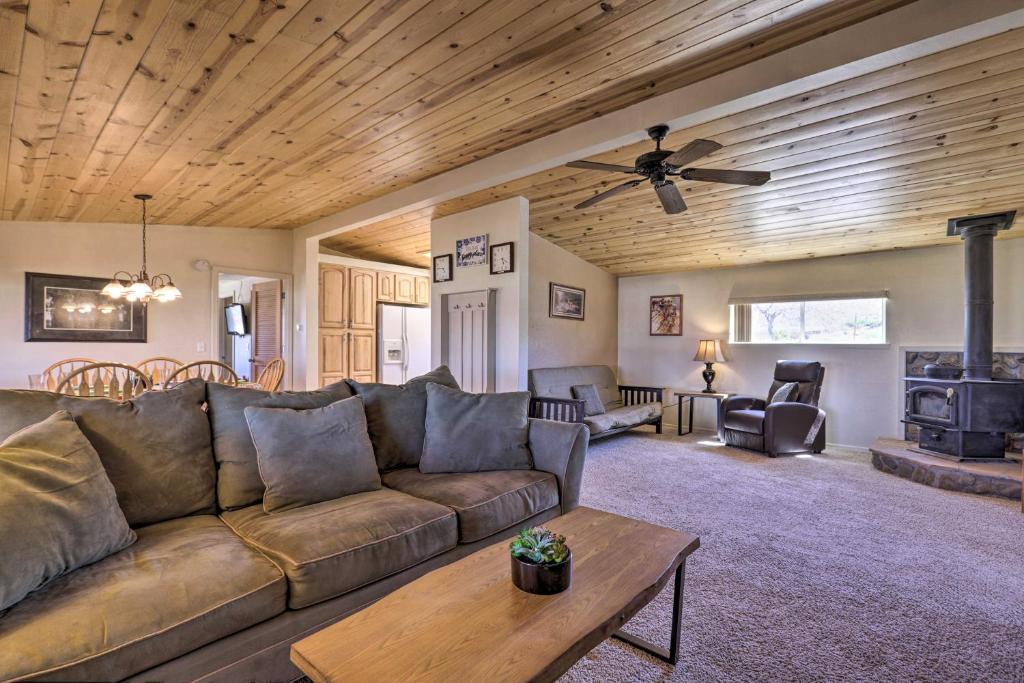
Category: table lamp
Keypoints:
(709, 351)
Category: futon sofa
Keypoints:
(215, 587)
(779, 425)
(621, 406)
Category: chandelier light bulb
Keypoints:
(113, 289)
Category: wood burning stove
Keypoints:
(967, 419)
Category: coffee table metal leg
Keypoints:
(671, 655)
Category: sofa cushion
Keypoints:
(331, 548)
(785, 393)
(155, 447)
(591, 399)
(395, 416)
(625, 416)
(475, 432)
(558, 382)
(184, 583)
(749, 421)
(309, 456)
(55, 494)
(485, 502)
(238, 474)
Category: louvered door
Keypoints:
(266, 325)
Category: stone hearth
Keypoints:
(898, 457)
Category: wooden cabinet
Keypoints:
(334, 355)
(362, 355)
(422, 293)
(333, 302)
(385, 286)
(405, 288)
(362, 299)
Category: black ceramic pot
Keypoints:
(542, 579)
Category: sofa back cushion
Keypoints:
(395, 415)
(558, 383)
(58, 509)
(238, 475)
(476, 432)
(309, 456)
(155, 448)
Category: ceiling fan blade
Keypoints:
(670, 198)
(694, 150)
(715, 175)
(607, 193)
(598, 166)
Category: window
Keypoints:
(825, 321)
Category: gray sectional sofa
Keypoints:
(621, 406)
(216, 588)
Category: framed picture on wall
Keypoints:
(71, 308)
(667, 315)
(503, 258)
(471, 251)
(566, 302)
(443, 268)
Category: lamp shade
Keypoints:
(709, 351)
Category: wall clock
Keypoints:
(503, 258)
(443, 268)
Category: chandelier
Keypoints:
(142, 287)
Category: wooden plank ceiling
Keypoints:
(873, 163)
(277, 112)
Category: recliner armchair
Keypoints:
(796, 426)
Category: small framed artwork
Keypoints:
(667, 315)
(566, 302)
(471, 251)
(443, 268)
(63, 308)
(503, 258)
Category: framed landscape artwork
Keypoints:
(471, 251)
(566, 302)
(64, 308)
(667, 315)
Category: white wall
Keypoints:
(862, 392)
(594, 340)
(97, 250)
(504, 221)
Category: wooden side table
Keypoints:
(689, 396)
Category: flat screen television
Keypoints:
(234, 316)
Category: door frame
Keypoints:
(287, 352)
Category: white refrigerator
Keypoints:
(403, 342)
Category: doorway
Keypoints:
(251, 322)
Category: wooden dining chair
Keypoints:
(159, 368)
(273, 373)
(208, 370)
(118, 381)
(58, 372)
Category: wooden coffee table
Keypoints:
(467, 622)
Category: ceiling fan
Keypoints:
(656, 166)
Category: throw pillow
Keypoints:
(395, 416)
(58, 511)
(238, 475)
(591, 399)
(475, 432)
(155, 448)
(786, 393)
(309, 456)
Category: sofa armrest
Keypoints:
(742, 403)
(557, 409)
(560, 448)
(792, 427)
(634, 395)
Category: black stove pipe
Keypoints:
(978, 300)
(978, 234)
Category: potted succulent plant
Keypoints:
(541, 561)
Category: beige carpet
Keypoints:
(814, 568)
